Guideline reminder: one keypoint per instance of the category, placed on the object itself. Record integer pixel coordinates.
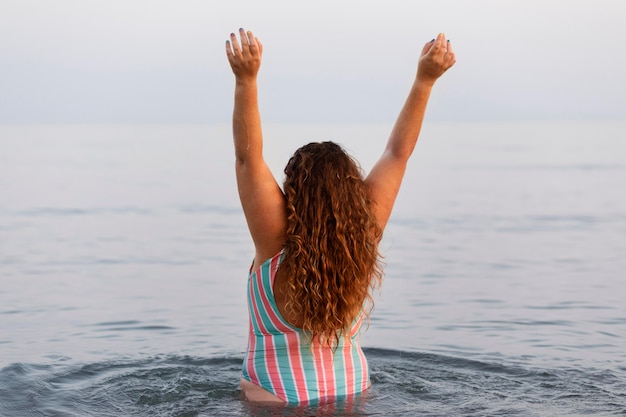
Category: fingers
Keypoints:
(442, 51)
(229, 52)
(238, 49)
(249, 44)
(440, 45)
(255, 46)
(449, 57)
(245, 42)
(437, 57)
(427, 47)
(233, 49)
(244, 54)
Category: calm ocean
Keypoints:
(124, 254)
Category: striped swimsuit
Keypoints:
(280, 360)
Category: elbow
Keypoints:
(242, 154)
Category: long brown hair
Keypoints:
(331, 253)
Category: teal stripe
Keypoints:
(251, 297)
(284, 364)
(358, 368)
(280, 342)
(244, 370)
(259, 350)
(309, 370)
(261, 307)
(340, 371)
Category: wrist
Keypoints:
(245, 81)
(424, 84)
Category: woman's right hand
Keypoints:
(437, 56)
(245, 56)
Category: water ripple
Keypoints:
(81, 211)
(404, 383)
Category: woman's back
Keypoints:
(283, 359)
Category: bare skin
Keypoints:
(262, 199)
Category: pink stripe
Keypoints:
(273, 317)
(293, 341)
(252, 356)
(319, 367)
(277, 321)
(272, 368)
(258, 278)
(349, 367)
(357, 326)
(252, 335)
(252, 348)
(329, 364)
(270, 360)
(297, 366)
(325, 374)
(365, 373)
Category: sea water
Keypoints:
(124, 253)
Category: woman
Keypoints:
(316, 244)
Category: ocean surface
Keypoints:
(124, 254)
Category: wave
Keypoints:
(403, 383)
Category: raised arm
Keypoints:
(261, 197)
(386, 176)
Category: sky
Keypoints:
(157, 61)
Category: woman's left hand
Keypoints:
(245, 56)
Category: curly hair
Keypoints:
(331, 252)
